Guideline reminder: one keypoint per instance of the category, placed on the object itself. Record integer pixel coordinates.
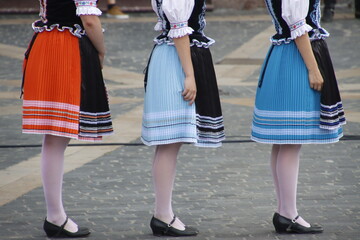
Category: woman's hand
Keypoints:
(189, 92)
(315, 79)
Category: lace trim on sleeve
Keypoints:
(179, 29)
(299, 28)
(88, 11)
(87, 8)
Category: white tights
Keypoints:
(52, 170)
(285, 169)
(164, 170)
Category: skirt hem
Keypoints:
(293, 141)
(183, 140)
(66, 135)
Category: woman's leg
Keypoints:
(287, 170)
(52, 170)
(163, 170)
(273, 161)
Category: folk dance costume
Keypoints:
(167, 117)
(63, 88)
(287, 110)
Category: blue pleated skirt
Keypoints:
(287, 110)
(167, 117)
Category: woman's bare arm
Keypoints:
(182, 45)
(315, 79)
(94, 31)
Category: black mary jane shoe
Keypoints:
(160, 228)
(286, 225)
(54, 231)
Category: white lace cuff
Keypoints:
(179, 29)
(299, 28)
(88, 10)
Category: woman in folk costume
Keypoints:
(297, 101)
(64, 94)
(181, 102)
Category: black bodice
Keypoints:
(283, 33)
(60, 14)
(196, 22)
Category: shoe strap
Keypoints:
(62, 227)
(295, 219)
(170, 224)
(172, 221)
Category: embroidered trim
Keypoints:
(297, 25)
(42, 13)
(178, 25)
(85, 3)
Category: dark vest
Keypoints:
(60, 14)
(283, 32)
(196, 22)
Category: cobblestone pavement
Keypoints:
(227, 193)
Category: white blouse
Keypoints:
(87, 7)
(294, 13)
(178, 13)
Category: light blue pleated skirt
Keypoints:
(287, 110)
(167, 118)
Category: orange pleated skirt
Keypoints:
(53, 97)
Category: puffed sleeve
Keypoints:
(178, 13)
(294, 13)
(88, 7)
(158, 26)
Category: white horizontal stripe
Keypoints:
(210, 118)
(291, 131)
(160, 142)
(91, 139)
(94, 128)
(211, 139)
(49, 115)
(210, 126)
(211, 133)
(292, 114)
(208, 145)
(332, 106)
(48, 104)
(183, 113)
(331, 114)
(49, 111)
(209, 122)
(332, 127)
(49, 122)
(169, 131)
(95, 114)
(95, 135)
(55, 133)
(293, 141)
(332, 121)
(95, 122)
